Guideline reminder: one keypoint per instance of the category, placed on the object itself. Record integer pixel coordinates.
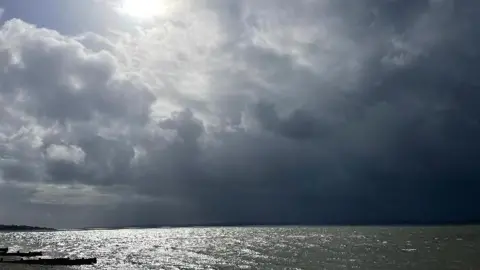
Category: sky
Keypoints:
(121, 112)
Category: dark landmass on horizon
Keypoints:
(24, 228)
(275, 224)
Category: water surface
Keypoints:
(262, 247)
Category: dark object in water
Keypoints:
(21, 254)
(55, 261)
(3, 250)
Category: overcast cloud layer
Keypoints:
(248, 111)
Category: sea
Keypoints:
(436, 248)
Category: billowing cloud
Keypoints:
(252, 111)
(70, 153)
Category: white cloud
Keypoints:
(68, 153)
(53, 77)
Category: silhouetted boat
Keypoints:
(54, 261)
(3, 250)
(21, 254)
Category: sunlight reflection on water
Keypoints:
(260, 247)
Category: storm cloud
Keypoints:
(245, 111)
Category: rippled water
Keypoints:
(261, 247)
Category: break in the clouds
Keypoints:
(243, 111)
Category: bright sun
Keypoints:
(143, 9)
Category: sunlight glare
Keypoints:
(143, 9)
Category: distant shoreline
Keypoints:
(219, 225)
(24, 228)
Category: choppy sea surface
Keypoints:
(260, 247)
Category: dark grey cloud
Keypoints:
(254, 111)
(300, 124)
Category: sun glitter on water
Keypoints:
(144, 9)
